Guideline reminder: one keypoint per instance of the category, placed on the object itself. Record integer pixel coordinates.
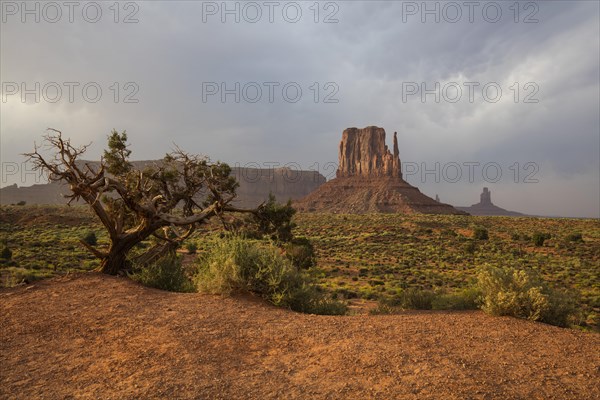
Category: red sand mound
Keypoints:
(95, 336)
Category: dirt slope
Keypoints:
(92, 336)
(356, 195)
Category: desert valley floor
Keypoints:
(92, 336)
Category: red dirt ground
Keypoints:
(92, 336)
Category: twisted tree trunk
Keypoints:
(116, 258)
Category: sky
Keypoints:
(504, 95)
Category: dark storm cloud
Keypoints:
(369, 54)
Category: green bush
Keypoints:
(480, 233)
(166, 273)
(382, 309)
(470, 247)
(415, 299)
(467, 299)
(539, 238)
(6, 253)
(411, 299)
(575, 237)
(90, 238)
(235, 263)
(523, 294)
(301, 252)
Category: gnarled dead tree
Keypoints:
(168, 201)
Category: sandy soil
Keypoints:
(91, 336)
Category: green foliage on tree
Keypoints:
(117, 154)
(275, 220)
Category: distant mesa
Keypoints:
(485, 207)
(369, 179)
(255, 186)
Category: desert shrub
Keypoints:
(515, 236)
(539, 238)
(480, 233)
(467, 299)
(307, 299)
(523, 294)
(21, 203)
(166, 273)
(191, 247)
(90, 238)
(346, 293)
(6, 253)
(415, 299)
(382, 309)
(410, 299)
(575, 237)
(470, 247)
(7, 263)
(301, 252)
(418, 299)
(235, 263)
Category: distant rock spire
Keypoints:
(486, 197)
(397, 168)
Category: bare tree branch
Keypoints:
(180, 193)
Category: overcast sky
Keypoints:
(357, 64)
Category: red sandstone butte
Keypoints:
(369, 179)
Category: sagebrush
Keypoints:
(522, 293)
(238, 264)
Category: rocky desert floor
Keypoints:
(92, 336)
